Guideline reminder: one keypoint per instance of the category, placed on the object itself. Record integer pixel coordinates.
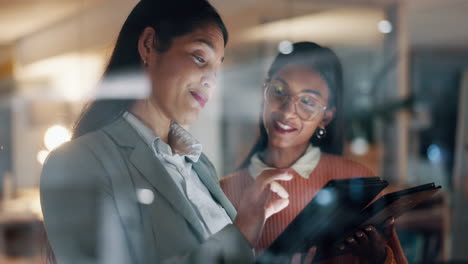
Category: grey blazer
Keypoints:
(92, 213)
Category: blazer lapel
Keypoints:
(213, 186)
(153, 170)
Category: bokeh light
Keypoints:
(285, 47)
(56, 136)
(385, 26)
(42, 156)
(145, 196)
(359, 146)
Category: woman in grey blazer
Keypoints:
(133, 186)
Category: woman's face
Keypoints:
(183, 78)
(285, 128)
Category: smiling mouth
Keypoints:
(283, 128)
(201, 99)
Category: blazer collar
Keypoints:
(213, 186)
(153, 170)
(122, 133)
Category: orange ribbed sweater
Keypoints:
(301, 191)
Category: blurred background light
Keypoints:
(324, 197)
(145, 196)
(385, 26)
(359, 146)
(71, 77)
(56, 136)
(42, 156)
(351, 26)
(434, 153)
(285, 47)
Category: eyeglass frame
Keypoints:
(295, 98)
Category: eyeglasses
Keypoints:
(306, 105)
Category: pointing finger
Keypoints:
(278, 189)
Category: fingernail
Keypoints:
(350, 240)
(369, 228)
(392, 220)
(341, 247)
(359, 234)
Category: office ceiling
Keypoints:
(18, 18)
(432, 22)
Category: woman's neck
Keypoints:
(152, 117)
(283, 157)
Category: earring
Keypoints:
(320, 132)
(145, 63)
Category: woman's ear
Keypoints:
(327, 117)
(146, 44)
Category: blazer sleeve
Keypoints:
(226, 246)
(79, 214)
(83, 224)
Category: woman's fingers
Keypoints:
(367, 243)
(310, 255)
(296, 258)
(275, 206)
(361, 238)
(373, 234)
(351, 242)
(389, 227)
(390, 222)
(342, 247)
(279, 189)
(376, 244)
(257, 204)
(268, 176)
(308, 259)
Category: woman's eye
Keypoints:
(279, 89)
(199, 59)
(308, 101)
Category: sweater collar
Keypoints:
(303, 166)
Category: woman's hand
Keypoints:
(369, 244)
(257, 205)
(308, 259)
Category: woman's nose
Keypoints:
(289, 106)
(209, 80)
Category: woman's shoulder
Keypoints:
(344, 165)
(71, 162)
(81, 146)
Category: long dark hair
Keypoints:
(324, 61)
(170, 19)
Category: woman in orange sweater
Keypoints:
(301, 102)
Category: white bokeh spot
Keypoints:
(145, 196)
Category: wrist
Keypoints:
(246, 230)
